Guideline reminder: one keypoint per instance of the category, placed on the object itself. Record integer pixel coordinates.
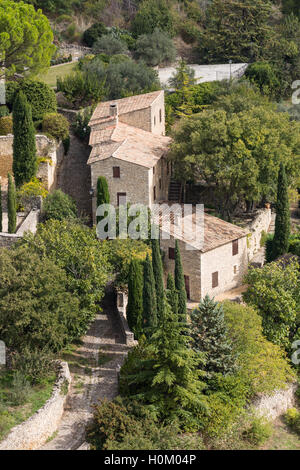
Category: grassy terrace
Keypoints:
(57, 71)
(18, 403)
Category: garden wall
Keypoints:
(259, 224)
(122, 301)
(29, 223)
(34, 432)
(272, 406)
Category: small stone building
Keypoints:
(129, 148)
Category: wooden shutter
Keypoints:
(116, 171)
(215, 279)
(235, 247)
(171, 253)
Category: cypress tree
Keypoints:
(134, 311)
(172, 295)
(282, 222)
(11, 205)
(103, 196)
(24, 147)
(1, 228)
(209, 334)
(179, 283)
(149, 298)
(158, 276)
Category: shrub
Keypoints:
(155, 48)
(6, 125)
(56, 125)
(294, 246)
(4, 111)
(40, 96)
(264, 76)
(20, 389)
(34, 364)
(81, 126)
(94, 32)
(29, 191)
(153, 14)
(259, 431)
(82, 88)
(292, 418)
(59, 206)
(109, 45)
(269, 247)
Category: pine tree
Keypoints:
(209, 333)
(11, 205)
(166, 374)
(282, 222)
(158, 276)
(1, 228)
(179, 283)
(134, 311)
(172, 295)
(103, 196)
(149, 298)
(24, 146)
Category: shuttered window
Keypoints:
(215, 279)
(171, 253)
(116, 171)
(235, 247)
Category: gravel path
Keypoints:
(92, 382)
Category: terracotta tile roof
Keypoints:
(125, 105)
(217, 232)
(128, 143)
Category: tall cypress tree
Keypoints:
(134, 311)
(149, 298)
(158, 276)
(179, 283)
(1, 228)
(282, 222)
(11, 205)
(24, 147)
(103, 196)
(172, 295)
(209, 333)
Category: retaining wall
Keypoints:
(29, 224)
(260, 223)
(272, 406)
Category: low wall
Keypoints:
(29, 224)
(272, 406)
(261, 223)
(122, 301)
(34, 432)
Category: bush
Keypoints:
(292, 418)
(6, 125)
(56, 125)
(40, 96)
(81, 126)
(259, 431)
(294, 246)
(4, 111)
(264, 76)
(269, 247)
(20, 389)
(109, 45)
(82, 88)
(94, 32)
(29, 191)
(153, 14)
(34, 364)
(155, 48)
(59, 206)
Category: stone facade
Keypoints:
(34, 432)
(47, 150)
(261, 223)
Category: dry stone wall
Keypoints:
(261, 223)
(272, 406)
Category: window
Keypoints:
(159, 183)
(154, 193)
(121, 198)
(154, 120)
(171, 253)
(168, 168)
(215, 279)
(235, 247)
(116, 171)
(154, 170)
(160, 116)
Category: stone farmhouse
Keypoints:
(129, 148)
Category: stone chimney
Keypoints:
(113, 110)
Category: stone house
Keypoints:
(129, 148)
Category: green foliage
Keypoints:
(158, 276)
(153, 14)
(20, 390)
(94, 32)
(56, 126)
(294, 246)
(155, 48)
(34, 364)
(37, 311)
(81, 126)
(259, 431)
(28, 191)
(210, 336)
(292, 418)
(149, 298)
(172, 294)
(269, 248)
(282, 221)
(6, 125)
(134, 312)
(41, 97)
(58, 205)
(274, 291)
(109, 45)
(264, 76)
(11, 205)
(24, 147)
(103, 196)
(26, 39)
(0, 209)
(179, 283)
(76, 249)
(291, 6)
(4, 111)
(163, 375)
(82, 88)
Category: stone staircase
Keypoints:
(175, 190)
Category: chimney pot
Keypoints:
(113, 109)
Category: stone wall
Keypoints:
(46, 149)
(122, 300)
(272, 406)
(29, 223)
(260, 223)
(34, 432)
